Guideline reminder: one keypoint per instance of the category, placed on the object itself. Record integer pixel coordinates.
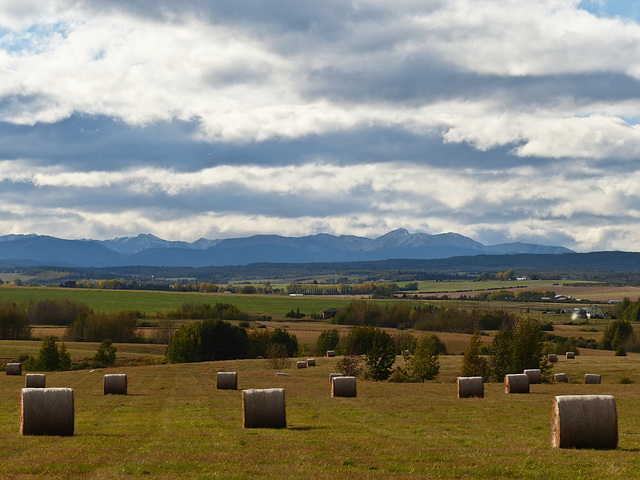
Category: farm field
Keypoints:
(175, 424)
(150, 302)
(10, 350)
(591, 291)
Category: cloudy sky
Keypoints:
(502, 120)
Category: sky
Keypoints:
(501, 120)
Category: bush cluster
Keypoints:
(217, 339)
(424, 317)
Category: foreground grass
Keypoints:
(175, 424)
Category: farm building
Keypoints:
(594, 311)
(329, 313)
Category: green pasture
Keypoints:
(150, 302)
(175, 424)
(431, 286)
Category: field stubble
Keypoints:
(175, 424)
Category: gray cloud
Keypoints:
(503, 121)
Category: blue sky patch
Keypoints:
(629, 9)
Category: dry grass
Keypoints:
(175, 424)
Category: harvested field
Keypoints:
(175, 424)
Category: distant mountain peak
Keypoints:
(400, 232)
(149, 250)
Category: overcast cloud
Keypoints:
(501, 120)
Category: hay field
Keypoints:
(175, 424)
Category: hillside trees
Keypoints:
(616, 333)
(14, 322)
(206, 341)
(117, 326)
(203, 311)
(56, 312)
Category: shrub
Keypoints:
(621, 352)
(294, 314)
(105, 355)
(277, 357)
(350, 365)
(403, 342)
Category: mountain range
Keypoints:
(149, 250)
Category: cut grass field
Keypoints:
(175, 424)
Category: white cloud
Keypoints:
(536, 79)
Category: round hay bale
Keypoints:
(263, 408)
(14, 369)
(334, 375)
(115, 384)
(331, 353)
(584, 421)
(534, 374)
(553, 358)
(343, 386)
(35, 380)
(560, 377)
(311, 362)
(227, 381)
(516, 383)
(592, 378)
(46, 411)
(470, 387)
(570, 355)
(301, 364)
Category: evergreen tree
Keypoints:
(105, 355)
(425, 364)
(381, 356)
(473, 364)
(512, 351)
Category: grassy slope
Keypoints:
(175, 424)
